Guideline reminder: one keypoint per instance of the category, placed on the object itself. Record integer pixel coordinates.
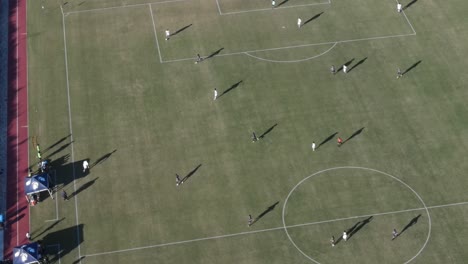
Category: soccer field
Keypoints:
(105, 86)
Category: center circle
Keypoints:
(363, 169)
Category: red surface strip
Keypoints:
(17, 215)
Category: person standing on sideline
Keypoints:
(250, 220)
(345, 236)
(345, 68)
(199, 59)
(394, 234)
(399, 74)
(64, 195)
(332, 69)
(332, 240)
(273, 3)
(313, 146)
(254, 137)
(299, 23)
(177, 179)
(28, 236)
(168, 34)
(339, 141)
(399, 7)
(215, 94)
(85, 166)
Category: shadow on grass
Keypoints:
(68, 239)
(327, 139)
(190, 174)
(269, 209)
(268, 131)
(313, 18)
(411, 67)
(357, 64)
(180, 30)
(234, 86)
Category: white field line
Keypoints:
(407, 19)
(71, 133)
(293, 61)
(219, 8)
(155, 34)
(124, 6)
(270, 229)
(297, 46)
(272, 9)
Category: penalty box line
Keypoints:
(270, 229)
(124, 6)
(296, 46)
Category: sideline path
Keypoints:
(17, 215)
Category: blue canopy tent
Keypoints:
(37, 183)
(26, 254)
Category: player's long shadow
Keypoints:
(56, 143)
(313, 18)
(410, 224)
(327, 139)
(213, 54)
(83, 187)
(358, 226)
(191, 173)
(59, 149)
(269, 209)
(346, 63)
(180, 30)
(358, 63)
(282, 3)
(268, 131)
(354, 134)
(412, 67)
(234, 86)
(48, 228)
(409, 4)
(102, 159)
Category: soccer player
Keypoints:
(399, 8)
(199, 59)
(399, 74)
(85, 166)
(168, 34)
(254, 137)
(345, 236)
(177, 179)
(345, 68)
(332, 69)
(299, 23)
(273, 3)
(340, 141)
(332, 240)
(64, 195)
(313, 146)
(394, 234)
(250, 220)
(215, 94)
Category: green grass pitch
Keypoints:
(103, 78)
